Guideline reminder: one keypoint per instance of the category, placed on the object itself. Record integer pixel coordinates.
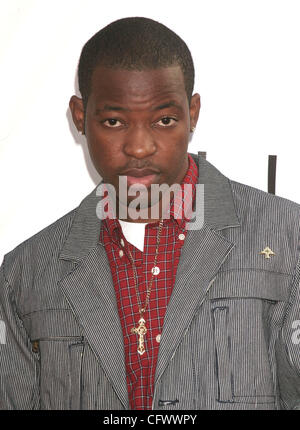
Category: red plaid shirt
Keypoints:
(140, 369)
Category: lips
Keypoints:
(140, 176)
(139, 173)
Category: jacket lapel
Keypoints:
(204, 251)
(89, 290)
(202, 255)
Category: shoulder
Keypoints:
(260, 203)
(42, 246)
(267, 220)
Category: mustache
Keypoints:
(140, 166)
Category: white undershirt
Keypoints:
(134, 233)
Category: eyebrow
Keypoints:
(167, 105)
(110, 108)
(120, 109)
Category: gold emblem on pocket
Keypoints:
(267, 252)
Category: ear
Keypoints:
(194, 110)
(77, 110)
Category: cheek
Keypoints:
(174, 148)
(106, 144)
(174, 156)
(106, 157)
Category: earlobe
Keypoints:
(77, 110)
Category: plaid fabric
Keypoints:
(140, 369)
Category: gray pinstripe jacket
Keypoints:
(229, 339)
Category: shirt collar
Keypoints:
(182, 203)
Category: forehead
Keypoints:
(134, 86)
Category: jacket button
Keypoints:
(35, 346)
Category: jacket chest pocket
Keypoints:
(59, 346)
(246, 311)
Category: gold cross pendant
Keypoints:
(141, 330)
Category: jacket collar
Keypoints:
(219, 211)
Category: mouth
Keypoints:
(142, 180)
(144, 177)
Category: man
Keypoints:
(150, 313)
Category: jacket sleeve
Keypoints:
(288, 349)
(19, 365)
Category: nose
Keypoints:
(140, 142)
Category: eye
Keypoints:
(167, 121)
(112, 123)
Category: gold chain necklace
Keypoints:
(141, 330)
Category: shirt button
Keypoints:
(121, 253)
(122, 242)
(181, 236)
(155, 270)
(158, 337)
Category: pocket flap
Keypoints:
(51, 323)
(249, 283)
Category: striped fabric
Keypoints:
(140, 369)
(229, 339)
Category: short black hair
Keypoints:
(134, 43)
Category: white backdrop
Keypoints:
(247, 63)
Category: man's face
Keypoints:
(137, 125)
